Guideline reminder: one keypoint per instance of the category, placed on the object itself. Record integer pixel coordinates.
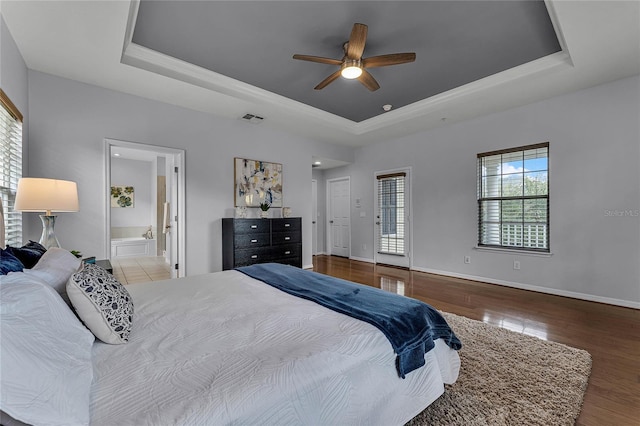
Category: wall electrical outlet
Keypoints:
(467, 259)
(516, 265)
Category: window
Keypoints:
(10, 167)
(391, 214)
(513, 198)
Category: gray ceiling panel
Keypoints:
(456, 42)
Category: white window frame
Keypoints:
(496, 232)
(391, 191)
(10, 169)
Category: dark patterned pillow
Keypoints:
(102, 303)
(9, 263)
(35, 246)
(29, 254)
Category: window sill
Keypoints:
(515, 252)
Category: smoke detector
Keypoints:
(252, 118)
(387, 107)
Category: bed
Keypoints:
(226, 348)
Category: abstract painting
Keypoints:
(257, 182)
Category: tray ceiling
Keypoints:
(456, 43)
(96, 42)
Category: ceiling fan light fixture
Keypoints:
(351, 68)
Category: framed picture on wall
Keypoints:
(122, 196)
(257, 182)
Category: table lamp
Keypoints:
(47, 195)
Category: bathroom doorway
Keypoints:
(145, 204)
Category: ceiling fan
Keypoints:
(353, 65)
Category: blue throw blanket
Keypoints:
(410, 325)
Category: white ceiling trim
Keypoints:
(153, 61)
(553, 15)
(539, 67)
(159, 63)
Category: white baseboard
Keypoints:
(310, 266)
(362, 259)
(547, 290)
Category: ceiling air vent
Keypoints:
(255, 119)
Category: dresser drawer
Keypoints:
(244, 257)
(278, 238)
(251, 226)
(286, 224)
(290, 250)
(251, 240)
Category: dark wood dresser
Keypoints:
(249, 241)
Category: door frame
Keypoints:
(408, 170)
(179, 161)
(314, 217)
(328, 213)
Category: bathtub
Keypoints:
(130, 247)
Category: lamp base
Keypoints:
(48, 238)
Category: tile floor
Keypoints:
(140, 269)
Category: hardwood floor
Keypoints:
(609, 333)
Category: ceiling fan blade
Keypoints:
(357, 40)
(324, 83)
(368, 81)
(318, 59)
(385, 60)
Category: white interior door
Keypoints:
(314, 217)
(174, 230)
(392, 224)
(339, 217)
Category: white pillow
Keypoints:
(102, 303)
(45, 356)
(55, 267)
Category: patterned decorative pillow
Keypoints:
(102, 303)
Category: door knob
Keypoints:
(330, 221)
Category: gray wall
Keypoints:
(70, 120)
(14, 81)
(594, 155)
(142, 176)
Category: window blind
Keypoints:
(391, 206)
(10, 167)
(513, 198)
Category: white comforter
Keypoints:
(224, 348)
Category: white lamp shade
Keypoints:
(46, 195)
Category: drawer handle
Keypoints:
(254, 256)
(254, 226)
(254, 241)
(287, 238)
(286, 225)
(287, 252)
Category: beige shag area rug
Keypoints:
(508, 378)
